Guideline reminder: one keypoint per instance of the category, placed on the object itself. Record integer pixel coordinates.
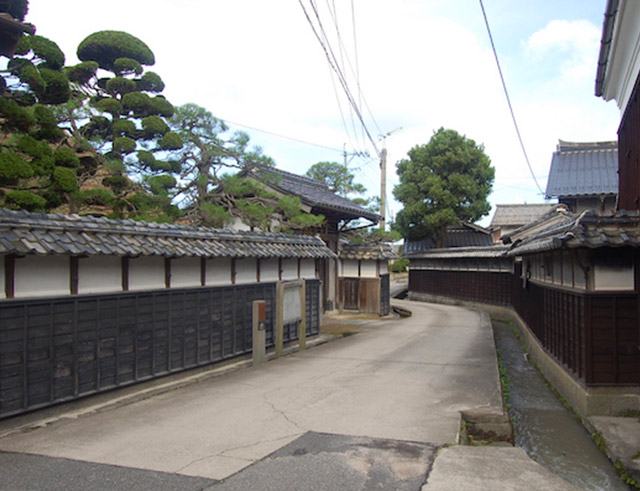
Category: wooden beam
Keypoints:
(258, 270)
(279, 269)
(233, 271)
(299, 266)
(203, 271)
(125, 274)
(9, 276)
(73, 274)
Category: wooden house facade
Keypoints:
(90, 304)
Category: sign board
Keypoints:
(292, 307)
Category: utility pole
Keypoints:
(383, 178)
(383, 187)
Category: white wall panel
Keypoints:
(246, 270)
(613, 278)
(290, 269)
(384, 267)
(218, 271)
(185, 272)
(368, 269)
(268, 270)
(99, 274)
(349, 268)
(308, 269)
(146, 273)
(38, 276)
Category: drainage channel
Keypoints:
(549, 432)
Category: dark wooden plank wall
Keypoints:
(594, 335)
(629, 154)
(59, 349)
(474, 286)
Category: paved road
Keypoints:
(359, 397)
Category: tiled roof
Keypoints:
(582, 169)
(463, 235)
(312, 193)
(585, 230)
(462, 252)
(367, 252)
(36, 233)
(520, 214)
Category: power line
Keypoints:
(506, 93)
(280, 135)
(327, 50)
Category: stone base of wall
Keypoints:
(586, 401)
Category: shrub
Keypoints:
(126, 66)
(171, 141)
(105, 47)
(124, 127)
(83, 72)
(162, 106)
(17, 117)
(57, 88)
(160, 184)
(13, 166)
(24, 200)
(123, 144)
(151, 82)
(108, 105)
(65, 179)
(97, 196)
(66, 157)
(121, 85)
(47, 50)
(399, 265)
(153, 126)
(137, 103)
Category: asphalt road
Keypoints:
(368, 409)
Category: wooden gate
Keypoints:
(350, 293)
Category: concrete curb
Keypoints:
(141, 391)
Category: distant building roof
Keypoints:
(519, 214)
(586, 230)
(367, 252)
(583, 169)
(22, 233)
(313, 193)
(494, 251)
(463, 235)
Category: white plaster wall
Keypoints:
(613, 278)
(349, 268)
(99, 274)
(308, 269)
(384, 267)
(246, 270)
(218, 271)
(146, 273)
(368, 269)
(38, 276)
(579, 277)
(2, 276)
(268, 270)
(290, 269)
(185, 272)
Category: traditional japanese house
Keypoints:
(363, 278)
(90, 304)
(317, 198)
(461, 235)
(508, 218)
(584, 176)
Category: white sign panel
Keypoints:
(292, 308)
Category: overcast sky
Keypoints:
(423, 64)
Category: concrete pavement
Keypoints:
(398, 380)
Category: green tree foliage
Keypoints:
(212, 183)
(119, 110)
(337, 177)
(441, 183)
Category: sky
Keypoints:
(421, 65)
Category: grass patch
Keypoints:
(504, 382)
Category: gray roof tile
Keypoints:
(582, 169)
(519, 214)
(36, 233)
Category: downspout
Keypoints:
(610, 15)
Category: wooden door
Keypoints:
(351, 293)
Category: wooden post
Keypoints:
(73, 274)
(167, 272)
(259, 338)
(203, 271)
(9, 276)
(125, 273)
(278, 334)
(302, 327)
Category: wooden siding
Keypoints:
(595, 336)
(629, 154)
(59, 349)
(362, 295)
